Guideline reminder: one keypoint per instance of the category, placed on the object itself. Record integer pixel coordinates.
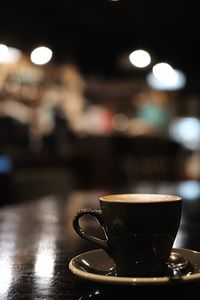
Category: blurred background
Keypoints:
(97, 94)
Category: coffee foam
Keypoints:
(140, 198)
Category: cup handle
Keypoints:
(97, 214)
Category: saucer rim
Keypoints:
(129, 280)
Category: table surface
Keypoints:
(37, 242)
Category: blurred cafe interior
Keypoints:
(97, 95)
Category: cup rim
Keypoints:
(140, 198)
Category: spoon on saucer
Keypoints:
(177, 262)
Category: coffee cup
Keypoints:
(140, 230)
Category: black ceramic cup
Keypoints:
(140, 230)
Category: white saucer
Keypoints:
(96, 266)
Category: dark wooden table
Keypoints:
(37, 242)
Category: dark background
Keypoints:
(97, 34)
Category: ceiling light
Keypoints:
(41, 55)
(140, 58)
(164, 77)
(9, 55)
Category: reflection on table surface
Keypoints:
(37, 242)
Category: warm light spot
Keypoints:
(41, 55)
(140, 58)
(9, 55)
